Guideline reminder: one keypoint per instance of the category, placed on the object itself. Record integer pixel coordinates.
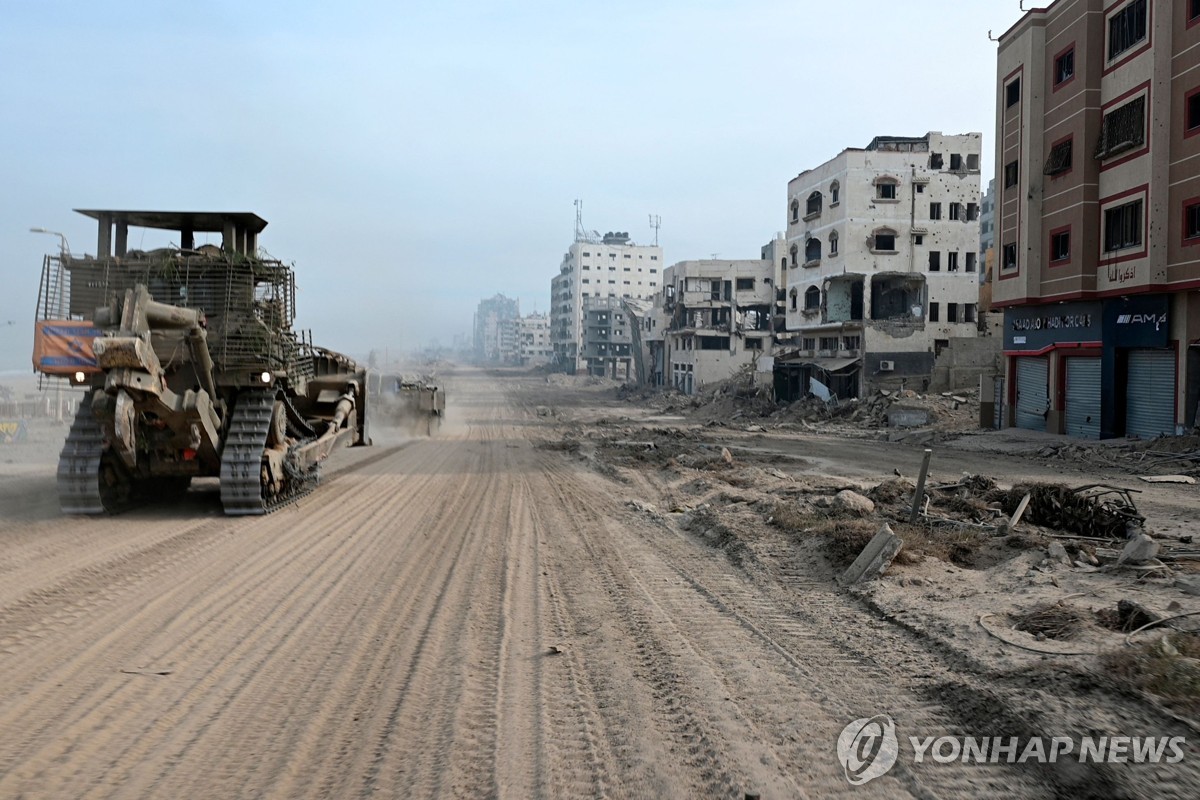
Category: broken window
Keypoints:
(935, 261)
(812, 298)
(935, 160)
(951, 312)
(813, 206)
(956, 211)
(745, 284)
(1009, 257)
(833, 243)
(934, 313)
(1060, 246)
(956, 162)
(973, 162)
(1122, 128)
(809, 343)
(1126, 28)
(795, 251)
(885, 241)
(969, 312)
(835, 189)
(952, 262)
(829, 343)
(851, 342)
(885, 189)
(1012, 93)
(1191, 220)
(970, 265)
(1064, 67)
(897, 297)
(935, 210)
(972, 212)
(1123, 226)
(1193, 109)
(812, 250)
(795, 211)
(1011, 174)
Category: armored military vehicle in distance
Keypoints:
(413, 402)
(191, 368)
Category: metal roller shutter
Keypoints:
(1083, 397)
(1032, 393)
(1150, 394)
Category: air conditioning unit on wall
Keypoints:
(887, 366)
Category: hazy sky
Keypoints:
(413, 158)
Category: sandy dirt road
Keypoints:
(464, 616)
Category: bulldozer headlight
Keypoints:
(265, 377)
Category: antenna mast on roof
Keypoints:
(655, 223)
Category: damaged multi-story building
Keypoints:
(882, 262)
(1098, 217)
(609, 266)
(533, 340)
(495, 328)
(607, 349)
(716, 317)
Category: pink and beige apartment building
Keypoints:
(1098, 217)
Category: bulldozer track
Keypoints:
(241, 460)
(79, 465)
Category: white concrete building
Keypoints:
(612, 266)
(718, 318)
(533, 340)
(883, 256)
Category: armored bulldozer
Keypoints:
(191, 368)
(416, 403)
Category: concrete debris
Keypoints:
(875, 558)
(899, 416)
(1168, 479)
(638, 505)
(1057, 552)
(1139, 550)
(853, 502)
(1188, 585)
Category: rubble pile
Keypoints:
(1164, 455)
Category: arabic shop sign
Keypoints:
(1038, 327)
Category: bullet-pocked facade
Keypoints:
(1098, 217)
(882, 261)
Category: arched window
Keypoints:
(887, 188)
(883, 240)
(833, 243)
(794, 293)
(812, 250)
(795, 255)
(795, 211)
(812, 299)
(835, 191)
(814, 205)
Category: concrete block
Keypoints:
(907, 417)
(854, 502)
(876, 557)
(1138, 550)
